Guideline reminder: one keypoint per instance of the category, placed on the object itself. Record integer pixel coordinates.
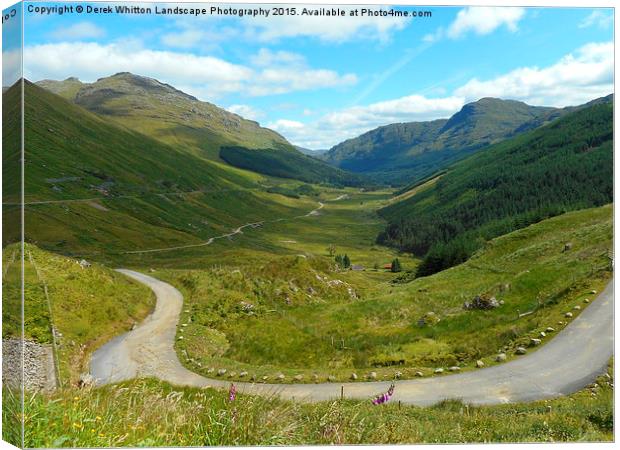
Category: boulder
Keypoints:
(593, 291)
(568, 314)
(372, 376)
(501, 357)
(243, 374)
(353, 376)
(210, 370)
(298, 377)
(221, 372)
(280, 377)
(586, 300)
(568, 246)
(543, 334)
(232, 374)
(577, 307)
(419, 374)
(521, 351)
(439, 370)
(482, 301)
(265, 378)
(550, 329)
(479, 364)
(331, 378)
(315, 377)
(535, 342)
(398, 375)
(454, 369)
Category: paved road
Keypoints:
(570, 361)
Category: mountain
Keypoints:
(314, 153)
(165, 113)
(406, 152)
(564, 165)
(93, 187)
(161, 111)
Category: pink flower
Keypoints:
(232, 393)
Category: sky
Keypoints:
(321, 80)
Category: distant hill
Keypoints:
(402, 153)
(562, 166)
(165, 113)
(313, 153)
(161, 111)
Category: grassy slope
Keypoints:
(149, 203)
(89, 306)
(148, 413)
(286, 164)
(305, 334)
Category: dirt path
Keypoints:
(570, 361)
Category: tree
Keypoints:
(339, 260)
(331, 249)
(396, 266)
(346, 262)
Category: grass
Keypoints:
(303, 322)
(89, 306)
(150, 413)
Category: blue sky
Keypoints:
(319, 81)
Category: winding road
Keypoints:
(567, 363)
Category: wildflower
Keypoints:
(98, 418)
(76, 398)
(384, 397)
(232, 393)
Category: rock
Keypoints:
(243, 374)
(298, 377)
(372, 376)
(550, 329)
(221, 372)
(586, 300)
(568, 246)
(315, 377)
(479, 364)
(419, 374)
(398, 375)
(535, 342)
(543, 334)
(501, 357)
(593, 292)
(184, 325)
(232, 374)
(353, 376)
(311, 290)
(280, 377)
(86, 380)
(560, 323)
(482, 301)
(210, 370)
(454, 369)
(577, 307)
(428, 319)
(521, 351)
(180, 338)
(501, 302)
(253, 377)
(439, 370)
(568, 314)
(265, 378)
(331, 378)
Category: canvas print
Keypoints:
(297, 224)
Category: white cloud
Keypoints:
(598, 18)
(206, 77)
(80, 30)
(576, 78)
(267, 58)
(350, 122)
(246, 111)
(579, 77)
(11, 67)
(480, 20)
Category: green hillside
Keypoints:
(165, 113)
(565, 165)
(405, 152)
(286, 164)
(93, 187)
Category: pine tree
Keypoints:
(346, 262)
(396, 265)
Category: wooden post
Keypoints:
(342, 392)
